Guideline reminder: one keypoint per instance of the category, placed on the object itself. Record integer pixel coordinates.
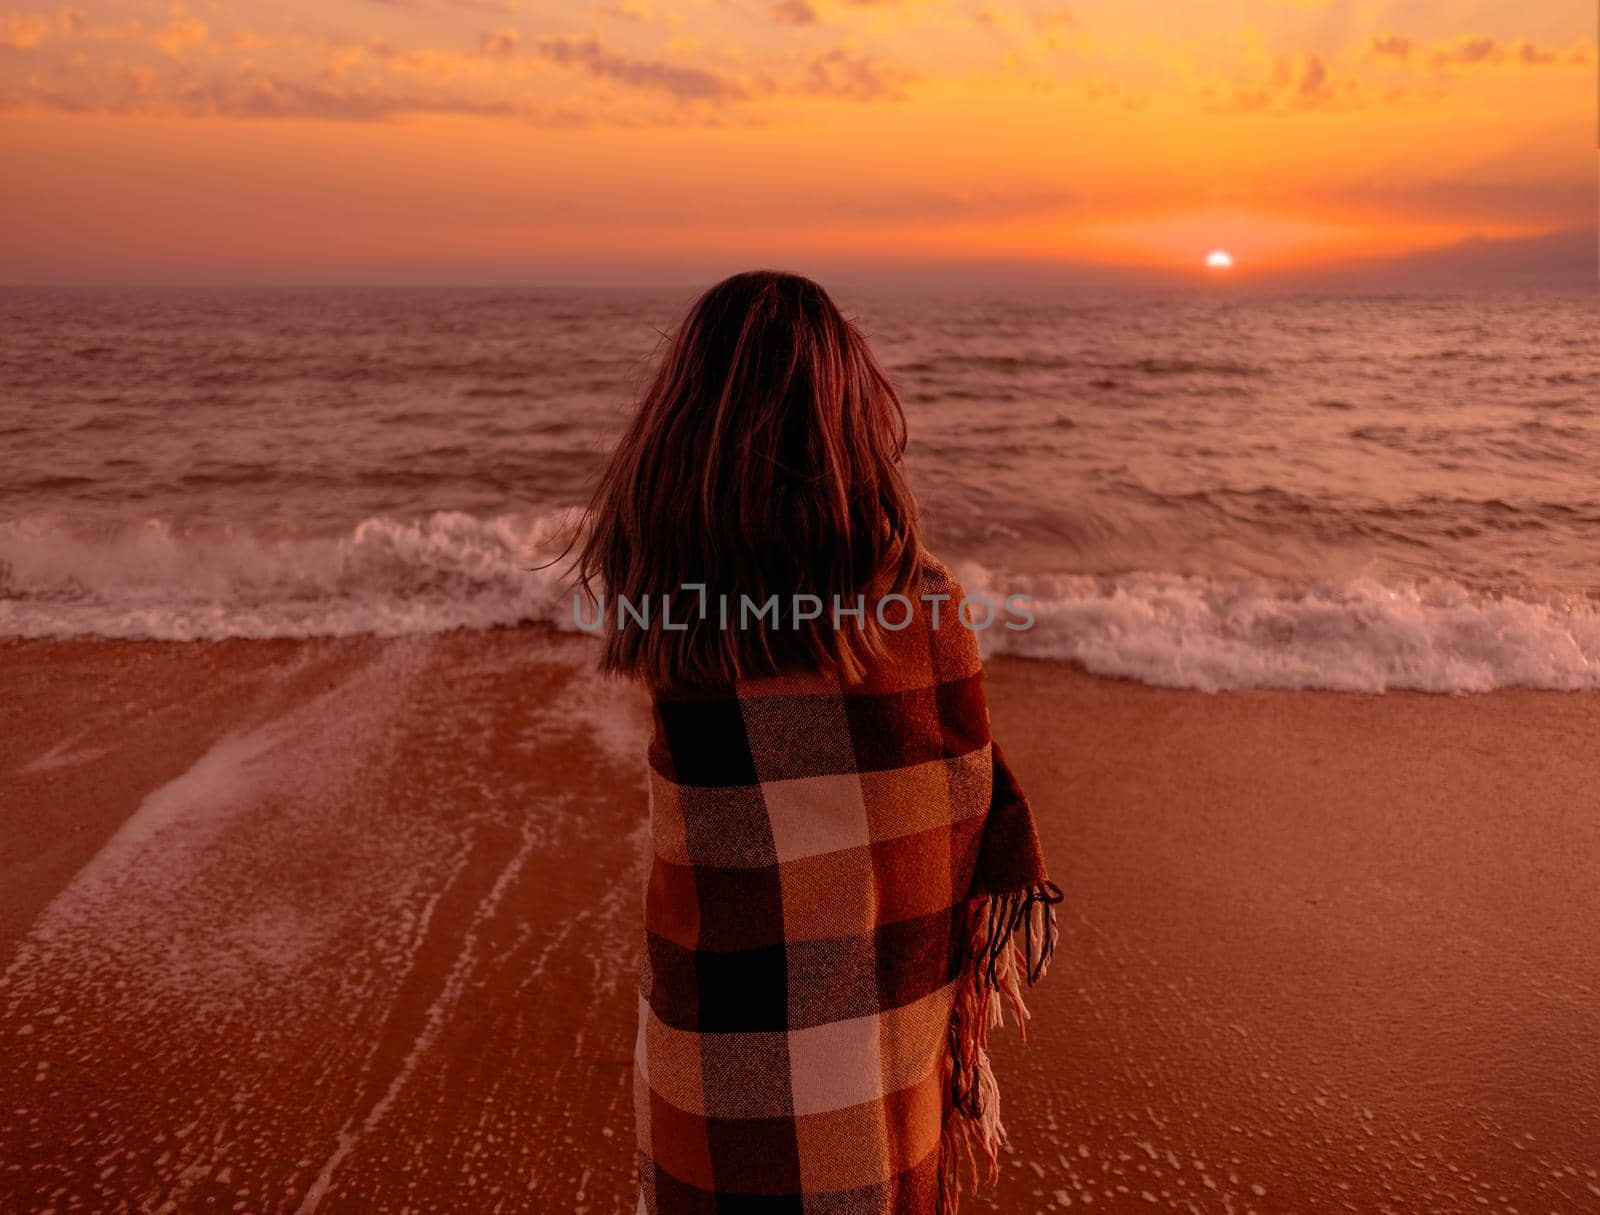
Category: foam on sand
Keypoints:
(219, 781)
(371, 941)
(377, 888)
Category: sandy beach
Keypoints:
(349, 925)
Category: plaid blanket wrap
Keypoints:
(846, 890)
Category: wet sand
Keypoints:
(350, 925)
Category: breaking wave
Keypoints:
(391, 577)
(1192, 632)
(385, 577)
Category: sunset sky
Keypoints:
(570, 141)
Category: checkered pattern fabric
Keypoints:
(846, 889)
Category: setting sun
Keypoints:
(464, 456)
(490, 140)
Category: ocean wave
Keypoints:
(1361, 636)
(385, 577)
(391, 577)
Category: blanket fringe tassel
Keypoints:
(1007, 942)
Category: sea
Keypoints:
(1210, 488)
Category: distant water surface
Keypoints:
(1205, 489)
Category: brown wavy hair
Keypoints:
(765, 459)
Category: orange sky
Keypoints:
(536, 140)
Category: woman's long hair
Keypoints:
(764, 460)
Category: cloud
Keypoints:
(794, 12)
(684, 83)
(1313, 90)
(1392, 46)
(120, 88)
(635, 11)
(155, 69)
(1478, 197)
(1559, 258)
(1303, 84)
(1103, 90)
(1536, 56)
(1311, 82)
(1472, 52)
(501, 44)
(1475, 50)
(22, 31)
(273, 97)
(838, 73)
(844, 74)
(179, 34)
(1467, 51)
(345, 58)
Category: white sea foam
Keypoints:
(1191, 632)
(385, 577)
(388, 577)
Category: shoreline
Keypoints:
(294, 923)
